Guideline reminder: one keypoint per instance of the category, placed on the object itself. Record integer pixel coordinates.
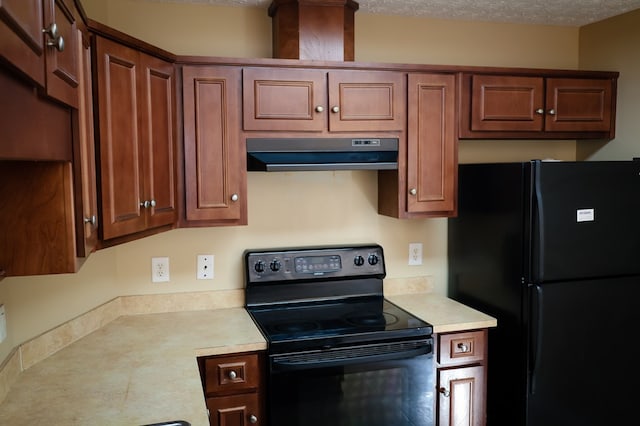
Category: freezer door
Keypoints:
(583, 355)
(586, 220)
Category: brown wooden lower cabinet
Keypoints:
(461, 378)
(233, 388)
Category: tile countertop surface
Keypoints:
(142, 369)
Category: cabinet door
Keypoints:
(120, 145)
(431, 144)
(21, 39)
(238, 410)
(281, 99)
(85, 166)
(507, 103)
(215, 170)
(366, 100)
(62, 60)
(461, 396)
(580, 105)
(156, 108)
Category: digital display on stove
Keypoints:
(317, 264)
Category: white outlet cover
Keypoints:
(160, 269)
(205, 267)
(415, 254)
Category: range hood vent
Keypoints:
(270, 155)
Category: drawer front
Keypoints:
(237, 410)
(231, 373)
(461, 348)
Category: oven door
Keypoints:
(367, 385)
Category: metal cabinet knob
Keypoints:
(444, 391)
(319, 108)
(539, 111)
(152, 203)
(51, 30)
(234, 197)
(144, 204)
(552, 111)
(413, 191)
(463, 347)
(253, 419)
(92, 220)
(335, 109)
(232, 375)
(57, 42)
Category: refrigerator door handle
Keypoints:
(536, 335)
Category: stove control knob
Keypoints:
(358, 260)
(275, 265)
(373, 259)
(260, 266)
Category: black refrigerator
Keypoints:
(552, 250)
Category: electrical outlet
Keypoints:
(205, 267)
(160, 269)
(3, 324)
(415, 253)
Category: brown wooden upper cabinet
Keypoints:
(280, 99)
(215, 171)
(40, 40)
(425, 184)
(136, 140)
(537, 107)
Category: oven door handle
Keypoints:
(332, 359)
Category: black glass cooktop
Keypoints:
(326, 324)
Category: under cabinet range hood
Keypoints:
(298, 154)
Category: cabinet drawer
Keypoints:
(461, 348)
(231, 373)
(241, 409)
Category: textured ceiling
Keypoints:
(548, 12)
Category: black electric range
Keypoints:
(322, 297)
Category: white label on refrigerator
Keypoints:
(586, 215)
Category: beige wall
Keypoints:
(612, 44)
(287, 208)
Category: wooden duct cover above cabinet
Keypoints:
(313, 29)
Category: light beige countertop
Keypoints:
(446, 315)
(138, 369)
(142, 369)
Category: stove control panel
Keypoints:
(314, 262)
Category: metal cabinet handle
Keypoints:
(413, 191)
(444, 391)
(319, 108)
(552, 111)
(144, 204)
(152, 203)
(234, 197)
(539, 111)
(253, 419)
(232, 375)
(463, 347)
(57, 42)
(92, 220)
(335, 109)
(51, 30)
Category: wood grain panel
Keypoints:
(579, 104)
(281, 99)
(119, 144)
(212, 144)
(431, 144)
(21, 39)
(62, 67)
(464, 403)
(157, 134)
